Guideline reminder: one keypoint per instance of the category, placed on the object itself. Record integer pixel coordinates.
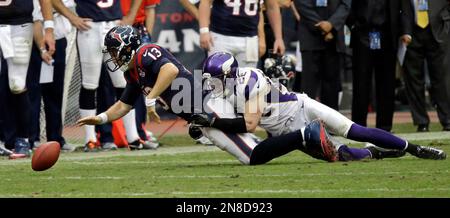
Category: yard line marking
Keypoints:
(245, 191)
(234, 176)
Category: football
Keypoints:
(45, 156)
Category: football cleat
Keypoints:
(109, 146)
(380, 153)
(204, 141)
(316, 138)
(91, 146)
(67, 148)
(136, 145)
(149, 145)
(5, 151)
(425, 152)
(21, 146)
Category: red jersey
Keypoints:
(140, 16)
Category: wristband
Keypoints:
(49, 24)
(43, 50)
(103, 117)
(204, 30)
(150, 102)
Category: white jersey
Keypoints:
(284, 111)
(281, 106)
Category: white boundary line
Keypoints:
(290, 175)
(242, 192)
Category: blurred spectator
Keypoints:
(16, 37)
(46, 79)
(376, 30)
(234, 28)
(427, 39)
(321, 36)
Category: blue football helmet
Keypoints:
(121, 42)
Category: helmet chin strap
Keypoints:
(124, 67)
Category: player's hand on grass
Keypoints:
(92, 120)
(206, 41)
(152, 115)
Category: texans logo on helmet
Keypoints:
(122, 35)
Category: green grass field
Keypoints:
(182, 169)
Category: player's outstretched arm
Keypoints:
(118, 110)
(167, 74)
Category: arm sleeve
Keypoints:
(306, 10)
(230, 125)
(340, 15)
(407, 17)
(130, 94)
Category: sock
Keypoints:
(412, 148)
(87, 98)
(22, 105)
(119, 92)
(129, 122)
(349, 154)
(377, 137)
(89, 129)
(274, 147)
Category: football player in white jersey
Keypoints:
(280, 112)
